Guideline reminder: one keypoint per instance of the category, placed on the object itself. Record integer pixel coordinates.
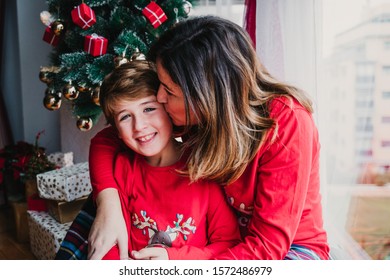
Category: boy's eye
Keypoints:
(149, 109)
(124, 117)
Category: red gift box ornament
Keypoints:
(154, 14)
(95, 45)
(50, 37)
(83, 16)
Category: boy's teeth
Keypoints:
(146, 138)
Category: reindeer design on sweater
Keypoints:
(166, 237)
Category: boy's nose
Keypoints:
(139, 124)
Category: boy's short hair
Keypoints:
(133, 80)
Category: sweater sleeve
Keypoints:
(103, 149)
(223, 231)
(283, 173)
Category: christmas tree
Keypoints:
(92, 37)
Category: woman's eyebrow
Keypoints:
(166, 86)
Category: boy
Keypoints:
(163, 210)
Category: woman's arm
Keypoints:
(104, 147)
(108, 227)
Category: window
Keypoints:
(230, 9)
(385, 143)
(356, 165)
(386, 119)
(386, 95)
(386, 70)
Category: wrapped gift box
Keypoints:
(20, 217)
(46, 234)
(34, 202)
(65, 212)
(65, 184)
(83, 16)
(154, 14)
(95, 45)
(61, 159)
(50, 37)
(31, 187)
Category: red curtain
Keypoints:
(250, 19)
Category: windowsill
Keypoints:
(344, 247)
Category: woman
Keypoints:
(246, 130)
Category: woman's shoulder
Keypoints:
(287, 106)
(282, 102)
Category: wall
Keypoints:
(24, 52)
(74, 140)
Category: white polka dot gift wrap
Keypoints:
(61, 159)
(65, 184)
(46, 234)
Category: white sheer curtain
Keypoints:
(288, 42)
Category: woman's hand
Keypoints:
(151, 253)
(109, 227)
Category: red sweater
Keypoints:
(159, 203)
(277, 198)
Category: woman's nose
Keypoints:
(161, 95)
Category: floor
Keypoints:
(10, 248)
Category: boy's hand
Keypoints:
(153, 253)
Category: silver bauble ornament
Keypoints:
(119, 60)
(137, 55)
(187, 6)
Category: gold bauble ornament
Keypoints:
(84, 123)
(95, 96)
(83, 88)
(70, 92)
(44, 76)
(52, 101)
(119, 60)
(57, 27)
(46, 73)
